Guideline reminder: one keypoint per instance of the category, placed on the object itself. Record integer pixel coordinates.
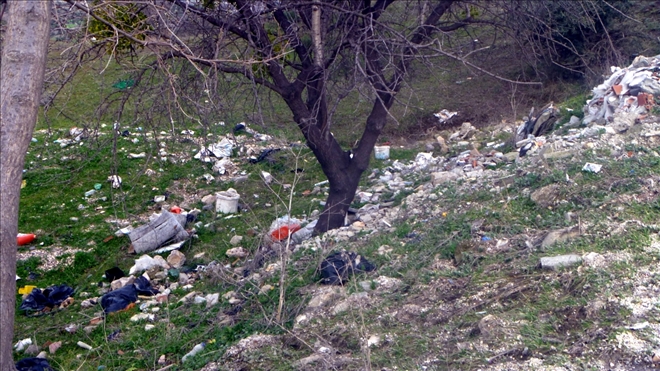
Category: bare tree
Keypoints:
(23, 63)
(312, 54)
(298, 50)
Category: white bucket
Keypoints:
(382, 152)
(226, 202)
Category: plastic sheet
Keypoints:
(120, 299)
(39, 300)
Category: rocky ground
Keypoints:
(496, 302)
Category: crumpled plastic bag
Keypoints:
(119, 299)
(337, 268)
(114, 273)
(282, 227)
(146, 262)
(143, 286)
(33, 364)
(39, 300)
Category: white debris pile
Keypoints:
(215, 151)
(627, 90)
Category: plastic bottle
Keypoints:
(198, 348)
(24, 238)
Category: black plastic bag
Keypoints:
(49, 298)
(33, 364)
(119, 299)
(265, 155)
(336, 268)
(35, 301)
(58, 294)
(143, 286)
(114, 273)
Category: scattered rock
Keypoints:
(594, 260)
(252, 343)
(53, 347)
(443, 177)
(265, 289)
(559, 236)
(374, 341)
(121, 282)
(212, 299)
(387, 284)
(208, 200)
(32, 350)
(237, 252)
(176, 259)
(546, 196)
(142, 317)
(443, 144)
(236, 240)
(325, 296)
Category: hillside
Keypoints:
(458, 229)
(456, 239)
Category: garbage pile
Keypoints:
(52, 298)
(626, 90)
(256, 150)
(540, 124)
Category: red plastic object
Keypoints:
(283, 232)
(175, 210)
(25, 238)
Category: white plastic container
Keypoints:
(226, 202)
(382, 152)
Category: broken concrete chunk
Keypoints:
(554, 262)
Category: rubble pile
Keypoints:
(626, 90)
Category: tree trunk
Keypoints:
(343, 186)
(22, 72)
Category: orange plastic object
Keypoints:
(283, 232)
(175, 210)
(25, 238)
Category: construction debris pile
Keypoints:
(627, 90)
